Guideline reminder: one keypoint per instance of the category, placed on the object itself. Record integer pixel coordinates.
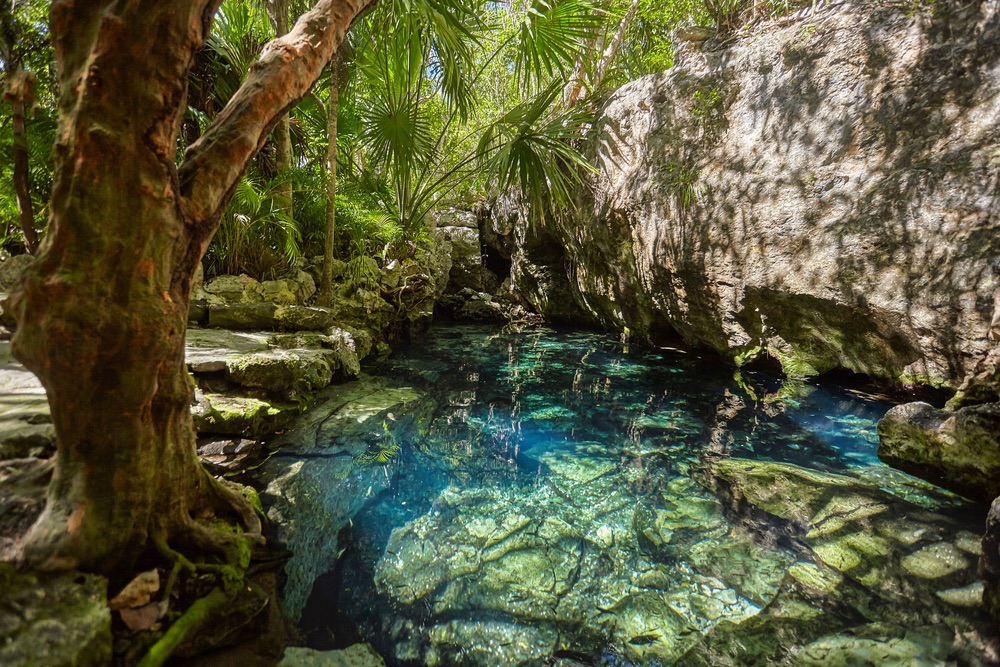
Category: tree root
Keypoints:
(191, 621)
(235, 501)
(230, 580)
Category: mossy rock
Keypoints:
(241, 415)
(958, 450)
(286, 372)
(57, 620)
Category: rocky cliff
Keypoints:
(823, 190)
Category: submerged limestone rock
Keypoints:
(359, 655)
(319, 476)
(564, 565)
(958, 450)
(989, 563)
(896, 576)
(823, 191)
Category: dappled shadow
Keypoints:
(841, 168)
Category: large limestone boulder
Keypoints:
(958, 450)
(823, 191)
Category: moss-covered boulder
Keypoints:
(243, 416)
(287, 372)
(959, 450)
(59, 620)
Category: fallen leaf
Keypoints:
(138, 592)
(145, 617)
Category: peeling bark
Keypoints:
(102, 312)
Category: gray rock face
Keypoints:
(958, 450)
(824, 192)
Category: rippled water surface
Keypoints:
(560, 499)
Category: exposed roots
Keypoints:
(196, 616)
(230, 546)
(235, 501)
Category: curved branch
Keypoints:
(286, 71)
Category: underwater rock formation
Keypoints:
(823, 191)
(323, 471)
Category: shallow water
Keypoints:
(569, 500)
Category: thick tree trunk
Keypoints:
(102, 312)
(277, 10)
(326, 287)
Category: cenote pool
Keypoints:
(557, 498)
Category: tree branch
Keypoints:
(286, 71)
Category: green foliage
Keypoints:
(24, 43)
(551, 35)
(706, 102)
(531, 148)
(681, 180)
(730, 15)
(255, 236)
(382, 452)
(440, 102)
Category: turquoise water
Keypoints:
(564, 499)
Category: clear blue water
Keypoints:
(565, 500)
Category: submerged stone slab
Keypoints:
(316, 479)
(866, 544)
(359, 655)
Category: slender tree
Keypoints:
(329, 239)
(102, 312)
(277, 11)
(19, 90)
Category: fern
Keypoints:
(380, 454)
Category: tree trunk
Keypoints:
(102, 312)
(19, 94)
(576, 89)
(326, 288)
(277, 11)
